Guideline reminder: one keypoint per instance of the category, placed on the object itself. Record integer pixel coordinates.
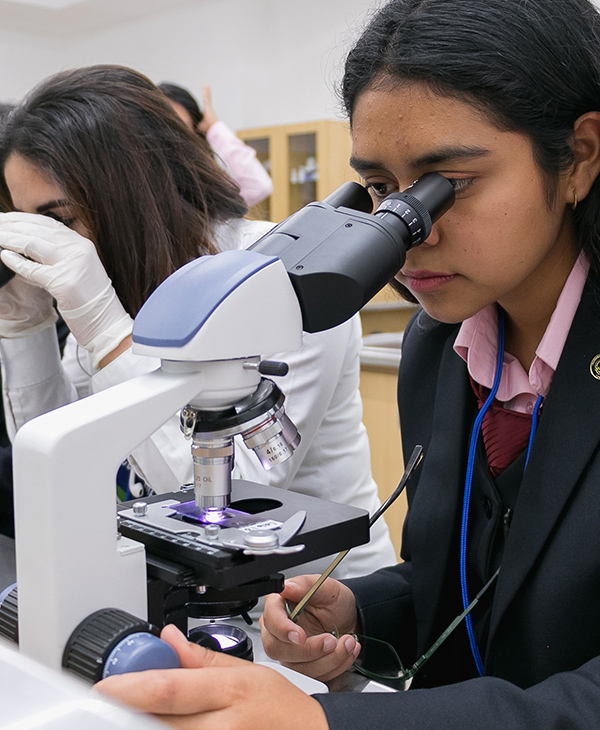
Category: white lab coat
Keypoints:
(322, 399)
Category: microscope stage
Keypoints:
(169, 533)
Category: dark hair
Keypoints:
(5, 110)
(534, 65)
(183, 97)
(141, 182)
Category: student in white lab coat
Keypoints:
(114, 193)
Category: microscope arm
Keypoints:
(215, 314)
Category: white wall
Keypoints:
(23, 62)
(268, 61)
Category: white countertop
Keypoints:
(382, 349)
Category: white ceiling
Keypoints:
(69, 17)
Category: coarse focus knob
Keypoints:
(112, 641)
(9, 624)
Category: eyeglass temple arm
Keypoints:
(419, 663)
(413, 462)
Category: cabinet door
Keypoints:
(306, 161)
(303, 170)
(261, 211)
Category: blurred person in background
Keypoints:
(238, 158)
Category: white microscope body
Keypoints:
(209, 323)
(216, 317)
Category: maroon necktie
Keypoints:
(505, 433)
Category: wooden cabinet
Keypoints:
(386, 312)
(306, 162)
(380, 416)
(379, 360)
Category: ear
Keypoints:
(586, 150)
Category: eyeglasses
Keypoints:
(377, 652)
(383, 657)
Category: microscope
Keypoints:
(95, 583)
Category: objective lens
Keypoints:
(274, 440)
(213, 461)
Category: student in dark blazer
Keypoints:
(499, 382)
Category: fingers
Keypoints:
(191, 655)
(40, 237)
(9, 219)
(315, 620)
(297, 587)
(26, 243)
(214, 686)
(31, 234)
(41, 245)
(30, 270)
(275, 622)
(205, 96)
(321, 656)
(217, 697)
(170, 691)
(14, 264)
(199, 686)
(330, 665)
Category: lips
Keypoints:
(426, 281)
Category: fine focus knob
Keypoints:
(111, 641)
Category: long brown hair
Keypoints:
(146, 187)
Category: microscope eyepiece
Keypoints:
(338, 255)
(412, 211)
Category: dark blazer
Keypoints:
(542, 656)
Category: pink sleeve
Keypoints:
(241, 163)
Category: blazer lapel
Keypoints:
(558, 456)
(433, 525)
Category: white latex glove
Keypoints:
(24, 309)
(67, 266)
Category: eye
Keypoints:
(460, 183)
(380, 190)
(65, 221)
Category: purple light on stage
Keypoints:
(212, 515)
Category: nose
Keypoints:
(434, 237)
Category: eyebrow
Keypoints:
(51, 204)
(445, 154)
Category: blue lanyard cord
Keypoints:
(467, 493)
(534, 423)
(469, 481)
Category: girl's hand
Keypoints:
(213, 690)
(209, 116)
(67, 266)
(309, 646)
(24, 309)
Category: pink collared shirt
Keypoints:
(477, 344)
(241, 163)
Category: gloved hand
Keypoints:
(24, 309)
(67, 266)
